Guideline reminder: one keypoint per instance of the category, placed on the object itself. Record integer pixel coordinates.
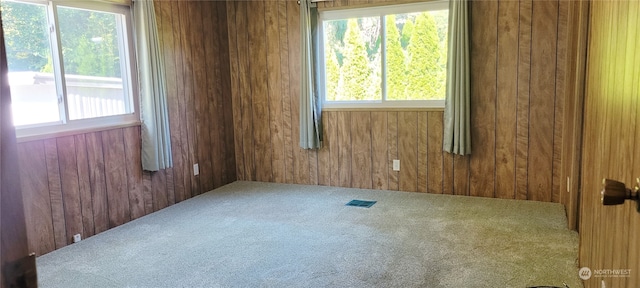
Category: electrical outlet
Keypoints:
(396, 165)
(77, 238)
(196, 169)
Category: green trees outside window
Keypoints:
(414, 53)
(89, 40)
(80, 45)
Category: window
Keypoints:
(70, 65)
(386, 56)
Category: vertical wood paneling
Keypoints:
(215, 142)
(147, 192)
(132, 148)
(435, 159)
(507, 85)
(116, 177)
(55, 193)
(407, 151)
(504, 107)
(89, 182)
(447, 174)
(344, 148)
(392, 140)
(334, 148)
(184, 85)
(542, 89)
(379, 150)
(361, 157)
(301, 157)
(324, 157)
(245, 91)
(484, 15)
(283, 22)
(560, 93)
(70, 186)
(574, 102)
(186, 14)
(522, 106)
(259, 90)
(259, 95)
(170, 189)
(36, 197)
(183, 149)
(199, 99)
(236, 96)
(84, 186)
(423, 127)
(275, 96)
(158, 188)
(313, 167)
(461, 175)
(228, 135)
(98, 182)
(165, 21)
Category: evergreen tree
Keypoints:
(442, 22)
(396, 69)
(26, 36)
(355, 72)
(89, 40)
(332, 73)
(424, 60)
(89, 43)
(407, 30)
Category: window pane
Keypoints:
(33, 91)
(416, 55)
(352, 59)
(92, 50)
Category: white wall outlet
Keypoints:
(77, 238)
(196, 169)
(396, 165)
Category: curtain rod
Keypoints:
(316, 1)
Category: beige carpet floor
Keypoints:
(250, 234)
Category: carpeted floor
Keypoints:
(250, 234)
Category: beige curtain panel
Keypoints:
(310, 103)
(457, 128)
(156, 138)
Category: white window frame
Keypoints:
(377, 11)
(128, 73)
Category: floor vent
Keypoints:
(361, 203)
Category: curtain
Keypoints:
(156, 142)
(310, 106)
(457, 133)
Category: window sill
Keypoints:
(25, 137)
(384, 109)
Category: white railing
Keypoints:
(34, 97)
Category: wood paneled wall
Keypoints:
(90, 182)
(609, 234)
(518, 51)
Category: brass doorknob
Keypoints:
(615, 192)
